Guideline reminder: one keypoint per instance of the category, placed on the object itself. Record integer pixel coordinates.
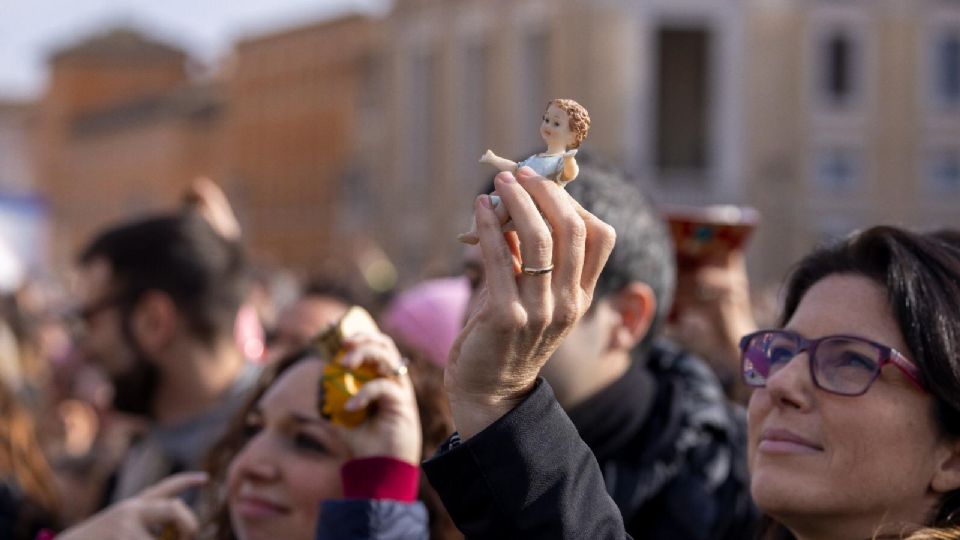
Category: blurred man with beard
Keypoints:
(159, 298)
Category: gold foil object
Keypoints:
(338, 384)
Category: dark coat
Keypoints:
(367, 519)
(672, 453)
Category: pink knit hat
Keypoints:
(429, 316)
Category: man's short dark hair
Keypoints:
(180, 255)
(644, 250)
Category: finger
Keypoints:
(497, 259)
(388, 394)
(600, 241)
(174, 485)
(378, 349)
(513, 244)
(385, 359)
(155, 513)
(212, 202)
(536, 245)
(568, 228)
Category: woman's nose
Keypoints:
(791, 385)
(256, 459)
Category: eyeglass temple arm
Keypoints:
(907, 367)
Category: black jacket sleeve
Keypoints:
(528, 475)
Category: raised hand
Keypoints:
(209, 199)
(539, 283)
(393, 430)
(154, 511)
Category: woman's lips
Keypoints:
(782, 441)
(258, 508)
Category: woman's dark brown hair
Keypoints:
(921, 276)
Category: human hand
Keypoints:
(520, 317)
(211, 202)
(393, 428)
(145, 515)
(713, 310)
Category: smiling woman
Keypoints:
(842, 445)
(283, 471)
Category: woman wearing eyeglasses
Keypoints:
(854, 426)
(854, 421)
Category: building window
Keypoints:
(683, 100)
(947, 68)
(838, 169)
(943, 172)
(839, 61)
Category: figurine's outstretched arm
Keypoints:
(502, 164)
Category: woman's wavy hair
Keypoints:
(921, 276)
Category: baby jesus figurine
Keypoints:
(564, 125)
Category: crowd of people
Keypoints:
(177, 398)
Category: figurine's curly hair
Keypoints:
(579, 118)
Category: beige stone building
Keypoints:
(124, 127)
(120, 131)
(853, 119)
(17, 175)
(365, 132)
(662, 80)
(826, 115)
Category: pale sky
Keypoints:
(31, 29)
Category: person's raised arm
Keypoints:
(380, 482)
(519, 468)
(524, 310)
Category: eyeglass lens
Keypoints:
(840, 365)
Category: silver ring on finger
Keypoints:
(401, 368)
(537, 271)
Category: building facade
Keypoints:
(854, 120)
(353, 143)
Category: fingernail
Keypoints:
(485, 201)
(506, 178)
(526, 172)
